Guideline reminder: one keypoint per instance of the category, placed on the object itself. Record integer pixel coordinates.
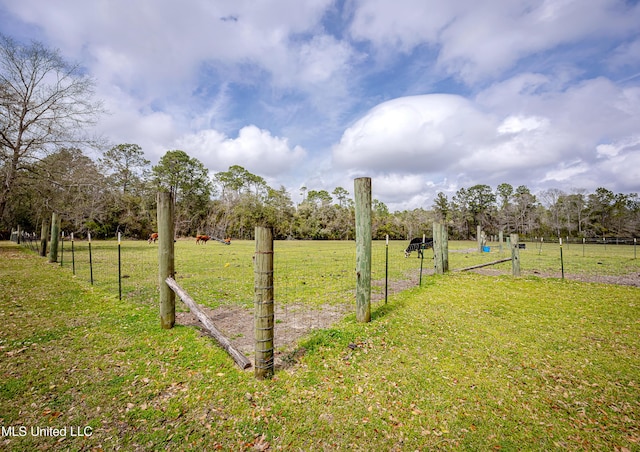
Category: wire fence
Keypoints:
(314, 281)
(121, 268)
(127, 269)
(317, 273)
(608, 259)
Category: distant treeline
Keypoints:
(117, 193)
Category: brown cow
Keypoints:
(153, 237)
(202, 239)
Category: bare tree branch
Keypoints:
(45, 104)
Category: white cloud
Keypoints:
(607, 150)
(580, 116)
(321, 68)
(412, 134)
(155, 49)
(403, 24)
(517, 124)
(479, 40)
(619, 163)
(566, 172)
(625, 55)
(557, 136)
(129, 122)
(162, 30)
(621, 171)
(630, 144)
(316, 61)
(396, 186)
(254, 149)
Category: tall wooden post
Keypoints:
(440, 248)
(445, 248)
(55, 232)
(263, 302)
(43, 238)
(363, 248)
(479, 238)
(166, 265)
(515, 255)
(437, 249)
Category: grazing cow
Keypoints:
(417, 245)
(202, 239)
(153, 237)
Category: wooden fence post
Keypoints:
(437, 249)
(445, 248)
(479, 238)
(43, 238)
(263, 302)
(440, 248)
(363, 248)
(55, 232)
(166, 265)
(515, 255)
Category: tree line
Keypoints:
(117, 193)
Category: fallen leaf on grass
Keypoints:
(15, 352)
(261, 444)
(49, 412)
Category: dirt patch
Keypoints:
(292, 322)
(632, 279)
(394, 286)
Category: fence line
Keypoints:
(308, 265)
(128, 270)
(314, 281)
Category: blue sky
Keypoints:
(421, 95)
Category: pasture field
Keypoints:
(467, 361)
(320, 272)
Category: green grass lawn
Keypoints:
(465, 362)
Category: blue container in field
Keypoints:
(486, 249)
